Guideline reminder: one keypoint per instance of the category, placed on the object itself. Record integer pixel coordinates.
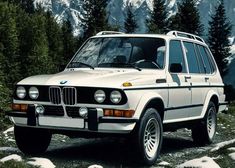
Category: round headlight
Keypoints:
(21, 92)
(115, 97)
(83, 112)
(33, 93)
(99, 96)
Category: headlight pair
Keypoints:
(115, 96)
(21, 92)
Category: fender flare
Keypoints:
(145, 99)
(209, 95)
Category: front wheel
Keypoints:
(32, 140)
(205, 131)
(149, 136)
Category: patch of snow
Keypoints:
(8, 130)
(163, 163)
(222, 144)
(95, 166)
(231, 149)
(232, 155)
(8, 149)
(203, 162)
(11, 140)
(41, 162)
(12, 157)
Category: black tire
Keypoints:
(205, 131)
(32, 140)
(147, 146)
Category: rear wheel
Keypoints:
(205, 131)
(148, 137)
(32, 140)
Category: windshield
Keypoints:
(121, 52)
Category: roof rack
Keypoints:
(108, 32)
(186, 35)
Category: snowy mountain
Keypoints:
(116, 11)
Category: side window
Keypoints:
(205, 59)
(191, 57)
(200, 60)
(176, 55)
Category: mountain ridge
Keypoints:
(116, 11)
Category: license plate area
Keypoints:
(61, 122)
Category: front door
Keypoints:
(179, 86)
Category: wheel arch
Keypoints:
(151, 101)
(211, 96)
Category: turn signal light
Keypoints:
(127, 84)
(119, 113)
(19, 107)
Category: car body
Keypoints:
(125, 84)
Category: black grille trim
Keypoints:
(54, 111)
(85, 95)
(55, 95)
(69, 95)
(73, 112)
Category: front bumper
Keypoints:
(95, 121)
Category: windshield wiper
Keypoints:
(80, 63)
(117, 64)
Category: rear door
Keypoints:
(199, 81)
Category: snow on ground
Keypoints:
(41, 162)
(232, 155)
(8, 130)
(222, 144)
(231, 149)
(204, 162)
(8, 149)
(163, 163)
(95, 166)
(12, 157)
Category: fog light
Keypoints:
(39, 109)
(83, 112)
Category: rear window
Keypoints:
(208, 65)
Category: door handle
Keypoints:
(187, 77)
(207, 78)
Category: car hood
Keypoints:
(95, 78)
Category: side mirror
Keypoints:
(176, 68)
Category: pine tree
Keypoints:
(55, 44)
(26, 5)
(219, 31)
(69, 42)
(188, 18)
(39, 61)
(10, 43)
(94, 17)
(130, 24)
(158, 22)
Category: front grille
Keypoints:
(54, 110)
(55, 95)
(72, 112)
(69, 95)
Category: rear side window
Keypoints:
(176, 55)
(206, 59)
(191, 57)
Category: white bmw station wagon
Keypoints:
(131, 85)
